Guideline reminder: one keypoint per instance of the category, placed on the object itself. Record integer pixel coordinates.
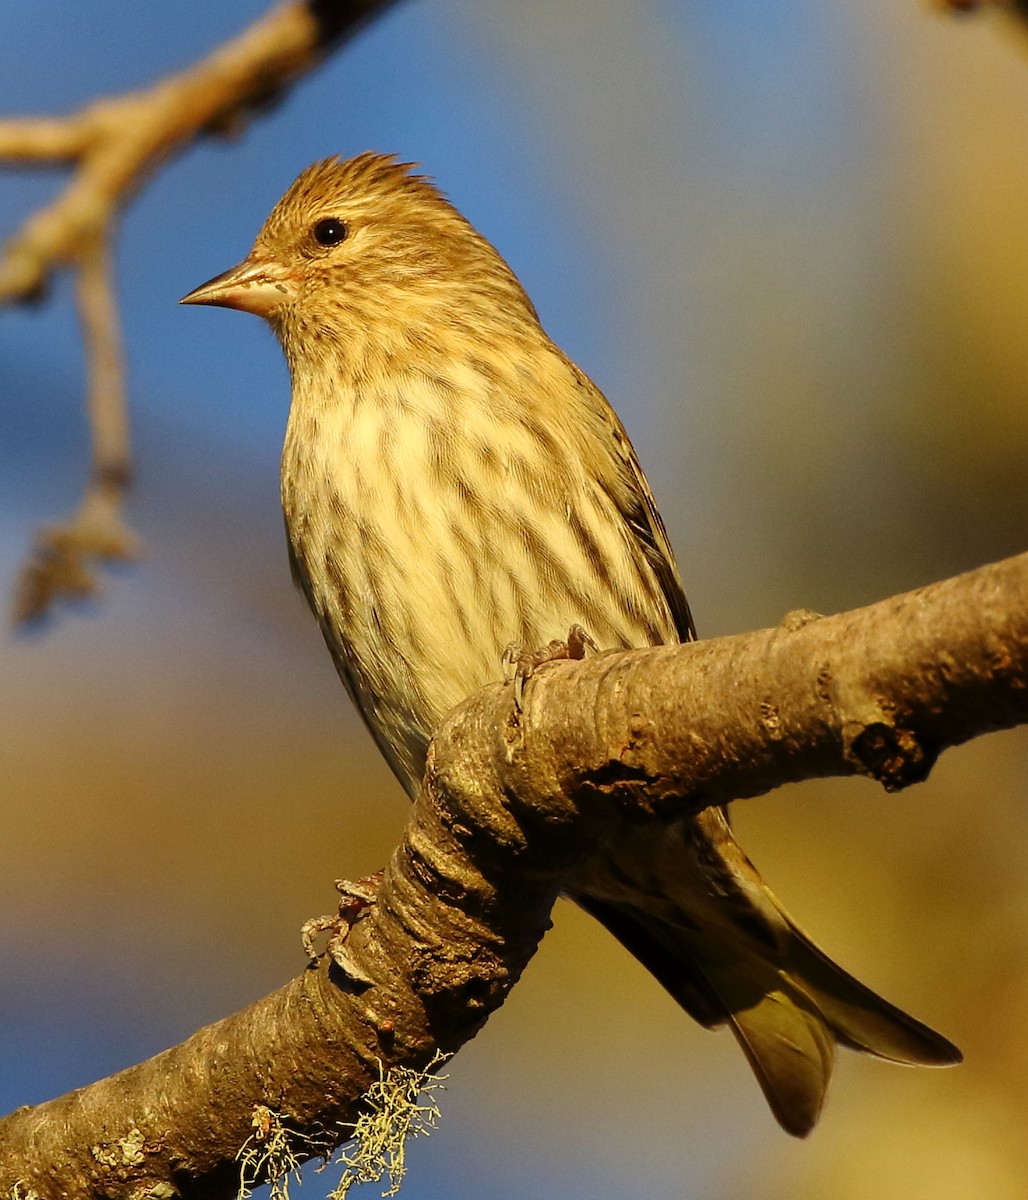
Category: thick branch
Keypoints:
(508, 810)
(877, 691)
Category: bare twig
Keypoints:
(510, 806)
(60, 563)
(114, 145)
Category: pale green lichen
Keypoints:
(400, 1106)
(22, 1191)
(125, 1152)
(272, 1154)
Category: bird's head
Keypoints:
(365, 244)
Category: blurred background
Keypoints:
(789, 242)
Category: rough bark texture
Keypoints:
(509, 807)
(878, 691)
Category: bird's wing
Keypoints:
(642, 515)
(631, 494)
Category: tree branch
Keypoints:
(114, 145)
(59, 563)
(510, 807)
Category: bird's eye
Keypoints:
(329, 232)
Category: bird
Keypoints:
(452, 483)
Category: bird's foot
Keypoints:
(356, 899)
(519, 665)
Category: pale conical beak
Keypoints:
(252, 286)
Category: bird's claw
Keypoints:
(356, 898)
(519, 665)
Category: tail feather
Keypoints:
(791, 1052)
(859, 1017)
(787, 1007)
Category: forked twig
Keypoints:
(113, 145)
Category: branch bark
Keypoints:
(509, 808)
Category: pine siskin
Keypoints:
(453, 483)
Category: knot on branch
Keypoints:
(626, 783)
(632, 781)
(474, 983)
(893, 755)
(798, 618)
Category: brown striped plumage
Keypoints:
(451, 483)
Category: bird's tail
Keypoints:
(730, 955)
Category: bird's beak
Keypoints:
(253, 286)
